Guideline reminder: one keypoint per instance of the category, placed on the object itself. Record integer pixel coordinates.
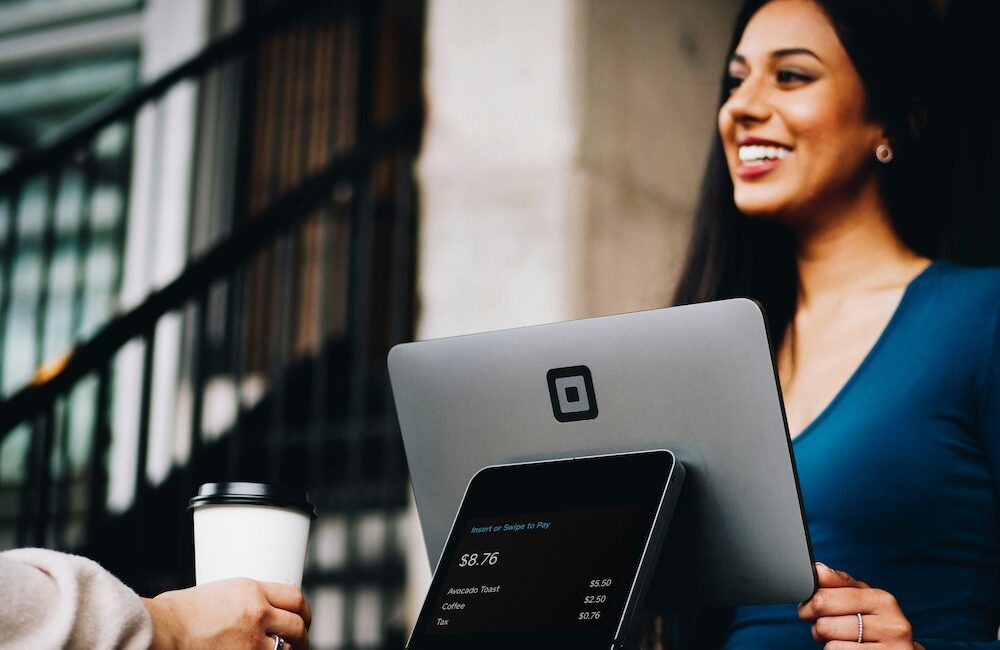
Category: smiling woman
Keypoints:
(826, 198)
(815, 79)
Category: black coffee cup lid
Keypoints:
(254, 494)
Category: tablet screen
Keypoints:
(544, 553)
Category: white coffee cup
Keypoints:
(251, 530)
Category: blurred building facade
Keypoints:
(207, 239)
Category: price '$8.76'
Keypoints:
(486, 558)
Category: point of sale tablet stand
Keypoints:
(697, 379)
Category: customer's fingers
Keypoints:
(288, 626)
(306, 612)
(270, 644)
(289, 598)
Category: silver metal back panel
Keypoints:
(698, 380)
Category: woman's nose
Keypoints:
(748, 102)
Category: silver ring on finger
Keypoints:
(861, 628)
(279, 643)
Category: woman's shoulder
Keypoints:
(965, 288)
(956, 320)
(982, 276)
(959, 310)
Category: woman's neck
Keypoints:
(861, 252)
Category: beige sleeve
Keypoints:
(55, 600)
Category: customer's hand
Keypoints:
(834, 610)
(236, 614)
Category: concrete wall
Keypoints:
(650, 72)
(565, 144)
(496, 167)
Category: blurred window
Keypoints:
(26, 15)
(68, 225)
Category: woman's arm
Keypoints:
(989, 427)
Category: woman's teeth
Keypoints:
(756, 154)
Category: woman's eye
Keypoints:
(790, 75)
(783, 76)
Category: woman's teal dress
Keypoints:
(900, 473)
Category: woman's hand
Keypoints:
(834, 610)
(236, 614)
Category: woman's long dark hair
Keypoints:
(899, 48)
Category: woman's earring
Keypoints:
(884, 153)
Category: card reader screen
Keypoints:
(540, 571)
(545, 554)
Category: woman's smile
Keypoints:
(756, 168)
(758, 156)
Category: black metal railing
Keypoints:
(284, 322)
